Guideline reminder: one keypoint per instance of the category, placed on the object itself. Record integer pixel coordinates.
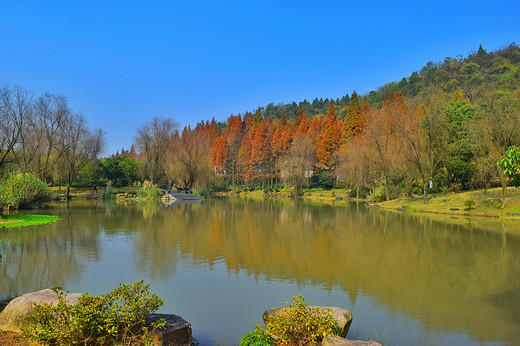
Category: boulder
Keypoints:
(12, 318)
(177, 330)
(339, 341)
(342, 317)
(3, 304)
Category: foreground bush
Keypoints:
(297, 324)
(23, 191)
(258, 337)
(114, 318)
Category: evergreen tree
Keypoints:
(352, 118)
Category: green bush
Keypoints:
(204, 193)
(108, 192)
(324, 180)
(363, 192)
(377, 194)
(301, 324)
(23, 191)
(258, 337)
(115, 318)
(149, 193)
(221, 186)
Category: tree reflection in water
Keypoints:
(449, 273)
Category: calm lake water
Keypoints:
(219, 263)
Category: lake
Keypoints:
(219, 263)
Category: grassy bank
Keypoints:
(23, 220)
(311, 194)
(468, 203)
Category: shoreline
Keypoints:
(484, 203)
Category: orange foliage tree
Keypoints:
(329, 139)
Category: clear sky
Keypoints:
(120, 63)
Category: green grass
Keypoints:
(483, 203)
(23, 220)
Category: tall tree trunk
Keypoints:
(504, 189)
(425, 192)
(387, 189)
(503, 183)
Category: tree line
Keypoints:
(404, 146)
(473, 74)
(446, 132)
(42, 135)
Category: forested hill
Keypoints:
(480, 70)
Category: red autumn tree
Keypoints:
(364, 118)
(260, 151)
(233, 135)
(281, 137)
(329, 139)
(315, 129)
(301, 125)
(219, 151)
(212, 130)
(244, 159)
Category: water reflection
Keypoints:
(450, 274)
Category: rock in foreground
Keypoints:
(339, 341)
(12, 318)
(177, 330)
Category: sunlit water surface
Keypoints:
(220, 263)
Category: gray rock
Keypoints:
(339, 341)
(177, 331)
(342, 317)
(12, 318)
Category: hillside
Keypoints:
(498, 70)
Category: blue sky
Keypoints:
(120, 63)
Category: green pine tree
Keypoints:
(352, 119)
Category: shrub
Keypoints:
(301, 324)
(377, 194)
(363, 192)
(258, 337)
(204, 193)
(117, 317)
(149, 192)
(22, 191)
(324, 180)
(108, 192)
(221, 186)
(469, 204)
